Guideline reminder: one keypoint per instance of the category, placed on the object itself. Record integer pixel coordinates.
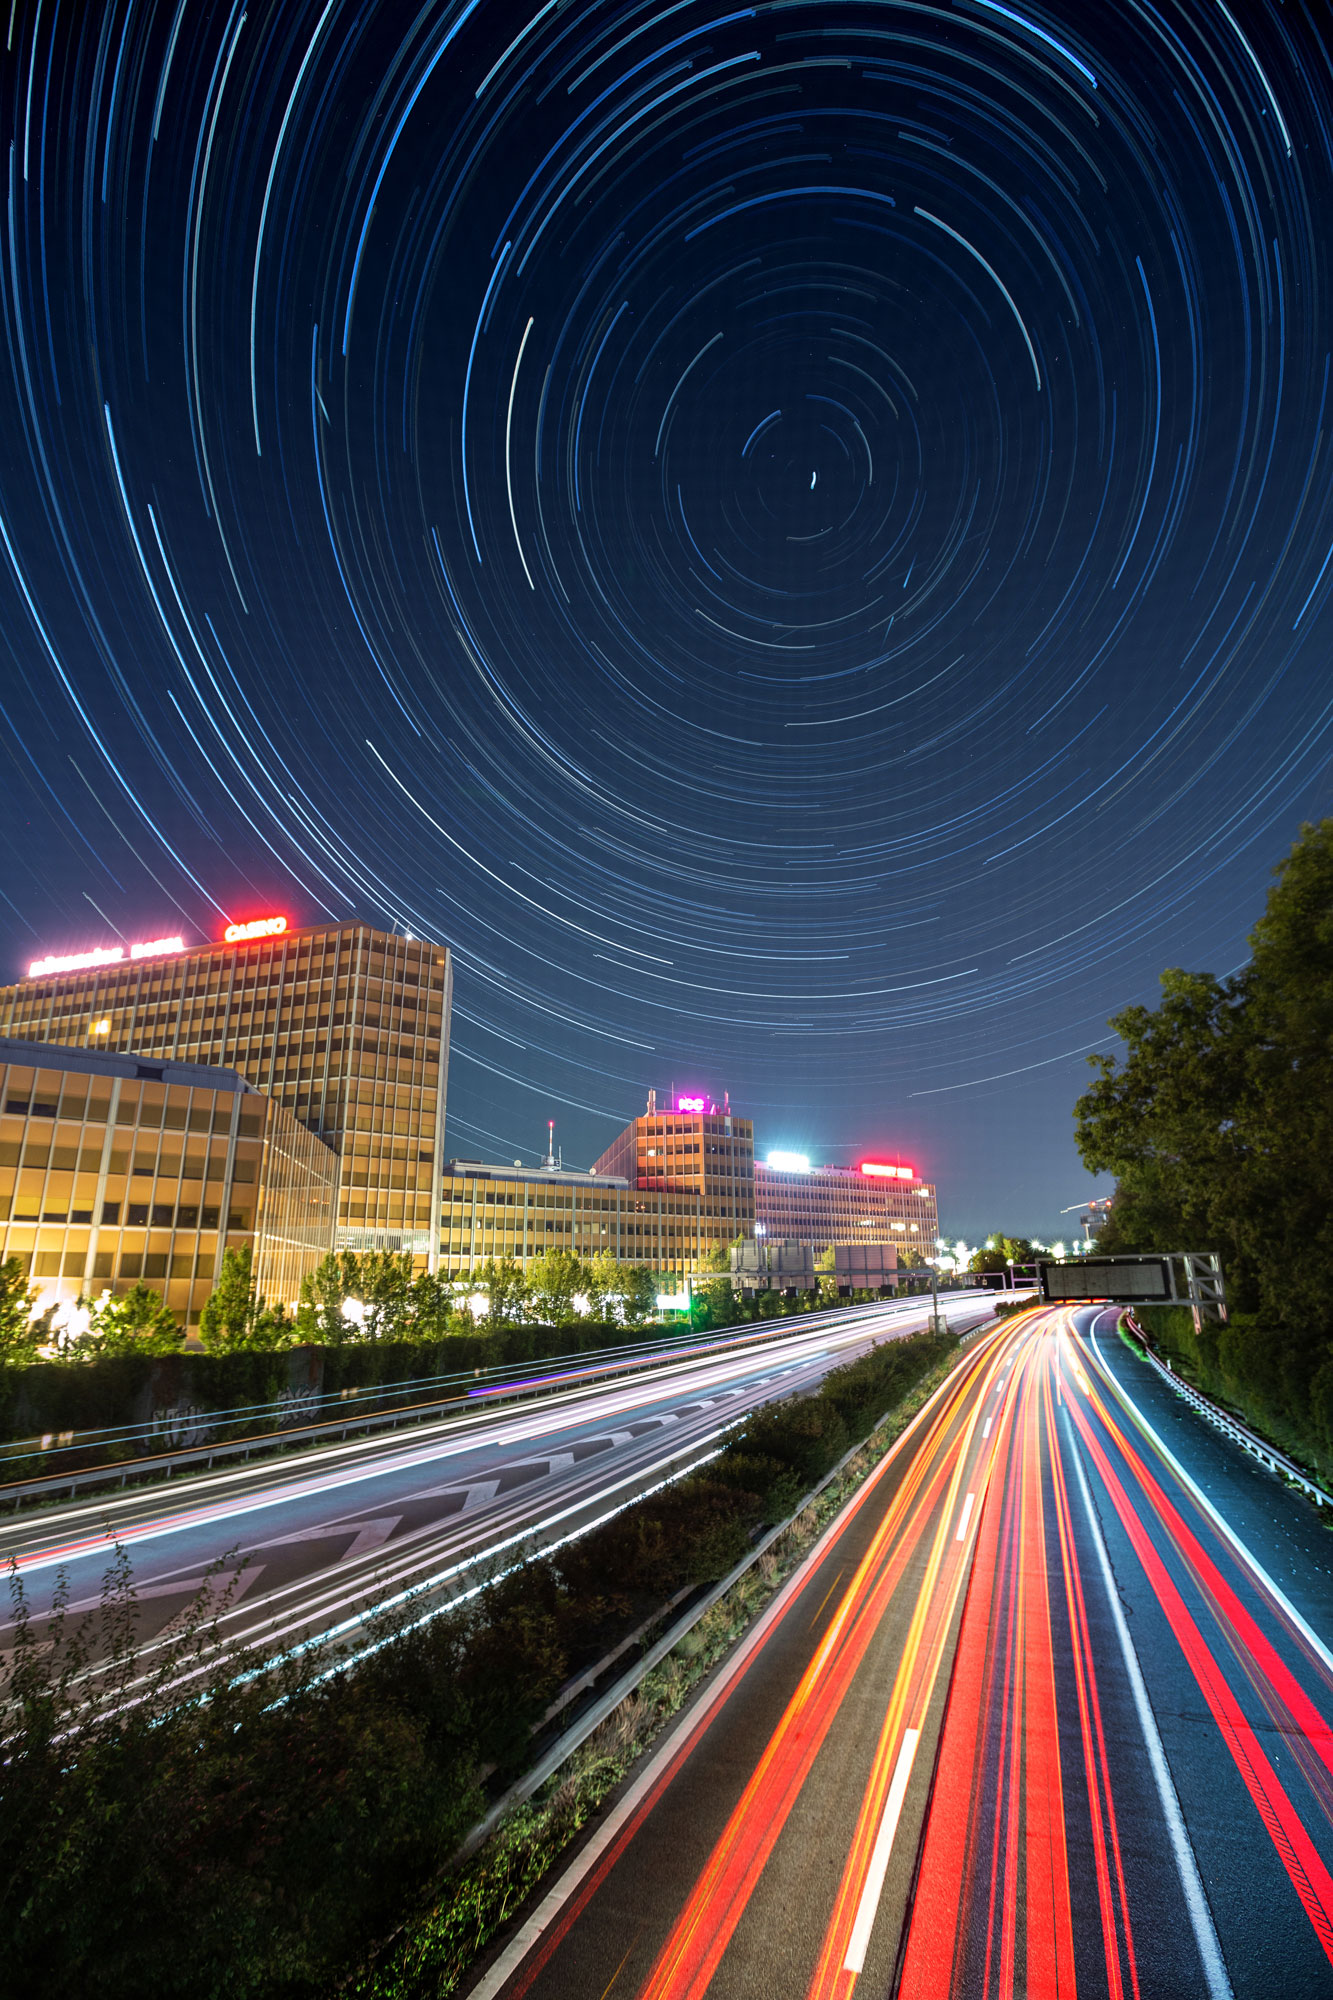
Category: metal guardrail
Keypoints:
(288, 1411)
(163, 1464)
(1230, 1427)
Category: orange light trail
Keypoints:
(700, 1936)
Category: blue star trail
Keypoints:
(796, 538)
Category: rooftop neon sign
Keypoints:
(788, 1163)
(109, 954)
(704, 1104)
(877, 1170)
(260, 927)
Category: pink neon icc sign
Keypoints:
(688, 1104)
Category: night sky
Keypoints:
(795, 538)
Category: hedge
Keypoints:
(135, 1389)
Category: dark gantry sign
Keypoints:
(1127, 1278)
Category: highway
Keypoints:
(1046, 1711)
(306, 1542)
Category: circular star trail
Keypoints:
(796, 538)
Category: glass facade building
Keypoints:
(831, 1205)
(114, 1169)
(345, 1027)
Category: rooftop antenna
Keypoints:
(652, 1103)
(550, 1161)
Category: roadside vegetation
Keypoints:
(374, 1296)
(260, 1836)
(1218, 1125)
(365, 1324)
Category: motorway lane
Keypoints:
(1055, 1854)
(721, 1867)
(310, 1540)
(1131, 1794)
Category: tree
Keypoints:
(319, 1316)
(638, 1294)
(229, 1312)
(504, 1286)
(18, 1336)
(133, 1322)
(384, 1288)
(1218, 1123)
(602, 1276)
(432, 1311)
(234, 1318)
(716, 1303)
(719, 1257)
(1001, 1252)
(555, 1278)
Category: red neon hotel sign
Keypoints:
(260, 927)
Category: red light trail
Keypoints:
(963, 1788)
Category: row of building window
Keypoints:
(133, 1264)
(77, 1108)
(135, 1214)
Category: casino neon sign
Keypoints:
(109, 954)
(259, 928)
(877, 1170)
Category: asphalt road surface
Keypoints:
(307, 1542)
(1047, 1711)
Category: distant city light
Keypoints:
(260, 927)
(788, 1163)
(880, 1171)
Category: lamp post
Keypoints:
(935, 1285)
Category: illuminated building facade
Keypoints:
(498, 1211)
(345, 1027)
(695, 1149)
(873, 1203)
(113, 1168)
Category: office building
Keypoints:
(347, 1028)
(875, 1202)
(500, 1211)
(691, 1148)
(114, 1169)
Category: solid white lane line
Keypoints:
(1224, 1528)
(985, 1428)
(967, 1516)
(1196, 1901)
(868, 1907)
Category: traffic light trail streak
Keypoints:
(1056, 1732)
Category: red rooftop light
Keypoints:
(878, 1170)
(260, 927)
